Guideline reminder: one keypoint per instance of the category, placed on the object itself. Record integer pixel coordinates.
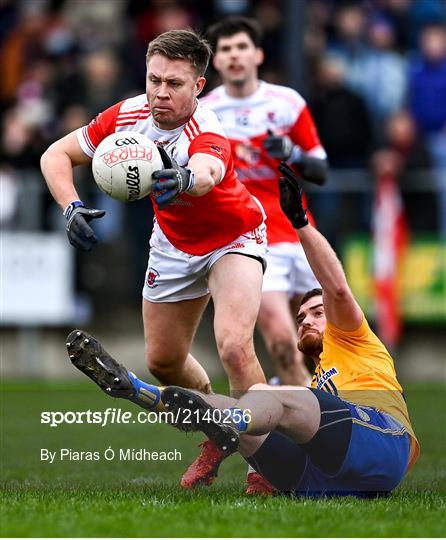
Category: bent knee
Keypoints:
(236, 355)
(164, 369)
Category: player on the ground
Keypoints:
(209, 234)
(267, 123)
(349, 434)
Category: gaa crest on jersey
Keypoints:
(242, 117)
(152, 275)
(271, 116)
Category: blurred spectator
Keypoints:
(72, 118)
(408, 17)
(35, 92)
(268, 11)
(341, 117)
(16, 152)
(373, 69)
(8, 18)
(383, 81)
(315, 44)
(427, 90)
(21, 146)
(96, 86)
(10, 197)
(423, 13)
(225, 8)
(350, 42)
(150, 19)
(344, 127)
(96, 24)
(404, 155)
(155, 16)
(22, 47)
(427, 101)
(402, 138)
(398, 13)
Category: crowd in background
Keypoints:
(377, 72)
(375, 82)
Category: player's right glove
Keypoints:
(79, 232)
(291, 197)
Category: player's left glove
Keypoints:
(171, 181)
(291, 197)
(79, 232)
(279, 146)
(313, 169)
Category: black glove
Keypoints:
(291, 197)
(172, 180)
(311, 168)
(278, 146)
(79, 233)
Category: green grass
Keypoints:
(142, 499)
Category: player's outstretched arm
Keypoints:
(341, 308)
(57, 164)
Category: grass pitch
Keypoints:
(142, 498)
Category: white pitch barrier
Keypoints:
(36, 289)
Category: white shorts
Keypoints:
(173, 275)
(288, 270)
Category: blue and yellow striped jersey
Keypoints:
(357, 367)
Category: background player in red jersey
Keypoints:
(266, 123)
(208, 237)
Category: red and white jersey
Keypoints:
(246, 122)
(195, 225)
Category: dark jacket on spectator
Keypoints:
(344, 126)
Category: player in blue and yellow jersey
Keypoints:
(348, 434)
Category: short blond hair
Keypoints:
(182, 45)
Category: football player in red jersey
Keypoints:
(209, 234)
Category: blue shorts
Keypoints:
(358, 451)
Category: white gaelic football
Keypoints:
(123, 165)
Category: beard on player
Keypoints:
(310, 343)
